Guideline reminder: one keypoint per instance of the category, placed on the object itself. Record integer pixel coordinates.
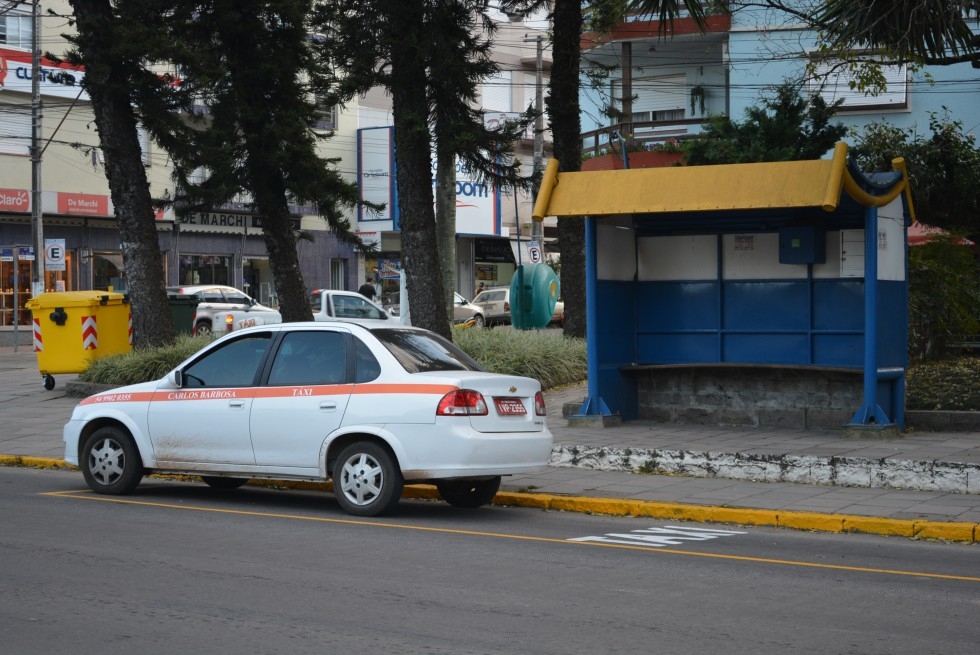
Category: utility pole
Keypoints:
(537, 229)
(37, 223)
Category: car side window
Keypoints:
(236, 298)
(232, 365)
(353, 307)
(212, 295)
(368, 367)
(316, 357)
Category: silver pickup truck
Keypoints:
(328, 305)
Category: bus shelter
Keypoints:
(743, 293)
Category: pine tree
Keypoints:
(109, 44)
(430, 55)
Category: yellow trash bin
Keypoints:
(74, 328)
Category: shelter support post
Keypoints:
(871, 413)
(593, 406)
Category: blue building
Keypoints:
(664, 88)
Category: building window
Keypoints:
(655, 98)
(835, 80)
(15, 30)
(338, 274)
(15, 130)
(325, 117)
(497, 92)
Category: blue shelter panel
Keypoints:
(838, 304)
(842, 349)
(690, 348)
(677, 306)
(767, 305)
(892, 324)
(616, 313)
(766, 348)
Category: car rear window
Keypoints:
(420, 352)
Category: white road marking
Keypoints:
(670, 535)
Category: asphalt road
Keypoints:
(180, 568)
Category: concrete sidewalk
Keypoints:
(925, 484)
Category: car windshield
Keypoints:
(420, 352)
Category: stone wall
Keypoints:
(747, 395)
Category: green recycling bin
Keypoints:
(182, 311)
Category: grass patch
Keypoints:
(546, 356)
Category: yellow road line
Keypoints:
(83, 495)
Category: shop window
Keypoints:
(205, 269)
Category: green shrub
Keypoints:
(543, 355)
(948, 384)
(142, 365)
(546, 356)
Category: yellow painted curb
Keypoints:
(946, 531)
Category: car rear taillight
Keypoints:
(506, 306)
(539, 404)
(462, 402)
(229, 322)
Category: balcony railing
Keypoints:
(646, 134)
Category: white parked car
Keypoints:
(215, 301)
(369, 408)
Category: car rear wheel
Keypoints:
(110, 462)
(468, 494)
(203, 328)
(217, 482)
(366, 479)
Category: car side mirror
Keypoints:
(176, 378)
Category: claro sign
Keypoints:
(15, 200)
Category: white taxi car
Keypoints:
(369, 408)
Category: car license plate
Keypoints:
(510, 406)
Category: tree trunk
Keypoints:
(563, 111)
(446, 225)
(115, 121)
(413, 162)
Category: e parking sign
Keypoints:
(54, 254)
(534, 253)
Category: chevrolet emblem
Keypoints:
(513, 389)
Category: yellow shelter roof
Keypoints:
(726, 187)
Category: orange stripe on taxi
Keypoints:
(290, 391)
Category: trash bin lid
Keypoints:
(54, 299)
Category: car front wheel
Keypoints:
(366, 479)
(468, 494)
(110, 462)
(478, 320)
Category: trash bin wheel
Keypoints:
(49, 382)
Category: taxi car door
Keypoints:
(207, 420)
(303, 400)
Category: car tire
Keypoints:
(478, 321)
(468, 494)
(224, 484)
(110, 462)
(366, 479)
(203, 329)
